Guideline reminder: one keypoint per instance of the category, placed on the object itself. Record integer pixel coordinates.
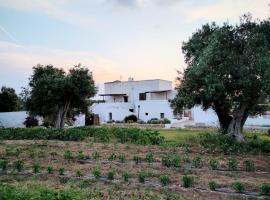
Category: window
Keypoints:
(162, 116)
(110, 116)
(142, 96)
(131, 110)
(125, 98)
(146, 113)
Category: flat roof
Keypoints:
(112, 94)
(117, 81)
(157, 91)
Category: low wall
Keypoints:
(135, 125)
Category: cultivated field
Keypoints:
(179, 168)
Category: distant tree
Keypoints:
(228, 70)
(8, 100)
(55, 94)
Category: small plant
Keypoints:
(213, 164)
(111, 174)
(36, 167)
(126, 175)
(238, 187)
(149, 157)
(122, 158)
(61, 171)
(80, 155)
(18, 165)
(232, 164)
(164, 180)
(188, 181)
(171, 161)
(95, 155)
(3, 164)
(68, 155)
(249, 165)
(186, 158)
(50, 170)
(96, 172)
(112, 157)
(137, 159)
(212, 185)
(12, 151)
(78, 173)
(197, 162)
(265, 189)
(142, 176)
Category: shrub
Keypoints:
(131, 118)
(36, 168)
(142, 176)
(18, 165)
(172, 160)
(95, 155)
(213, 164)
(149, 157)
(265, 189)
(165, 121)
(96, 172)
(3, 164)
(238, 187)
(30, 122)
(126, 175)
(78, 173)
(50, 170)
(122, 158)
(232, 164)
(188, 181)
(61, 171)
(164, 180)
(111, 174)
(212, 185)
(137, 159)
(80, 155)
(197, 162)
(112, 157)
(249, 165)
(68, 155)
(13, 151)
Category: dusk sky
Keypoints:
(113, 38)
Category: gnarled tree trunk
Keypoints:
(61, 115)
(223, 117)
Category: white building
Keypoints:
(146, 99)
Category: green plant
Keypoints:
(164, 180)
(80, 155)
(212, 185)
(213, 164)
(36, 167)
(137, 159)
(126, 175)
(238, 187)
(172, 160)
(197, 162)
(232, 164)
(50, 169)
(78, 173)
(96, 172)
(68, 155)
(141, 176)
(111, 174)
(249, 165)
(61, 171)
(188, 181)
(95, 155)
(18, 165)
(122, 158)
(149, 157)
(112, 156)
(3, 164)
(130, 118)
(13, 151)
(265, 189)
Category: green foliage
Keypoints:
(50, 170)
(3, 164)
(126, 175)
(137, 159)
(232, 164)
(80, 155)
(238, 187)
(212, 185)
(112, 156)
(8, 100)
(188, 181)
(78, 173)
(249, 165)
(141, 176)
(13, 151)
(213, 164)
(18, 165)
(164, 180)
(265, 189)
(96, 172)
(111, 174)
(131, 118)
(95, 155)
(100, 134)
(122, 158)
(172, 160)
(197, 162)
(158, 121)
(149, 157)
(61, 171)
(68, 155)
(30, 122)
(36, 167)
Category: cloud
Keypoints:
(142, 3)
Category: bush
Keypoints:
(232, 164)
(3, 164)
(265, 189)
(171, 161)
(197, 162)
(188, 181)
(126, 175)
(50, 170)
(212, 185)
(61, 171)
(249, 165)
(18, 165)
(131, 118)
(142, 176)
(149, 157)
(213, 164)
(30, 122)
(80, 155)
(238, 187)
(111, 174)
(36, 168)
(164, 180)
(96, 172)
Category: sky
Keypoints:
(115, 39)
